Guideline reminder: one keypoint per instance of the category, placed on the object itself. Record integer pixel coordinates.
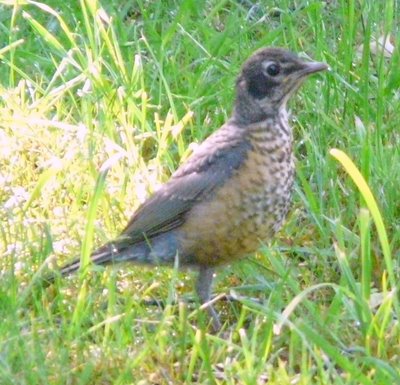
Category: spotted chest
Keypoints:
(251, 206)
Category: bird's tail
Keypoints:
(108, 254)
(160, 250)
(105, 255)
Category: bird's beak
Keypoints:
(312, 67)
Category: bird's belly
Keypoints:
(246, 210)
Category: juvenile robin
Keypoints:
(233, 193)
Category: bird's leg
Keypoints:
(203, 288)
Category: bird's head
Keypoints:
(267, 80)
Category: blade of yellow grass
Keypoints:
(11, 46)
(372, 206)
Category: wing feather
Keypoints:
(205, 171)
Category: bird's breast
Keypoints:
(248, 208)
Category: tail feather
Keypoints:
(160, 250)
(102, 256)
(105, 255)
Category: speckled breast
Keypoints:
(251, 206)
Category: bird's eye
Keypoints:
(273, 69)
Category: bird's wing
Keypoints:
(208, 168)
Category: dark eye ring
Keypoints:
(273, 69)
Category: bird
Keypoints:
(233, 193)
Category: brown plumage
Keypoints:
(233, 192)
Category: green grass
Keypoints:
(100, 102)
